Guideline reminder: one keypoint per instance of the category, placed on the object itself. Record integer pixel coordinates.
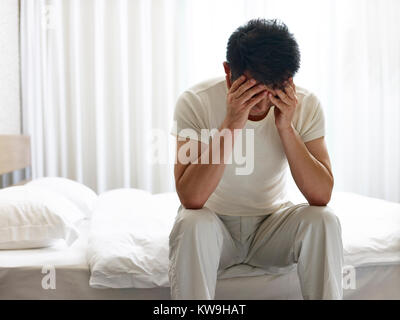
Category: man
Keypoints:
(228, 218)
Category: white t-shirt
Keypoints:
(263, 191)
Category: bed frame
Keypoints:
(15, 154)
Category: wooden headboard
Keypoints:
(15, 153)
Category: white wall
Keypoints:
(9, 67)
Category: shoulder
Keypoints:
(309, 118)
(199, 98)
(308, 105)
(308, 100)
(198, 106)
(208, 86)
(204, 90)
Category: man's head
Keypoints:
(265, 50)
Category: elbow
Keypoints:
(322, 199)
(193, 206)
(318, 202)
(191, 201)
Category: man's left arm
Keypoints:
(309, 162)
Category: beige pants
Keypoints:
(202, 242)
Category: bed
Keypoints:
(371, 240)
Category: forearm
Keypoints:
(311, 176)
(197, 184)
(201, 177)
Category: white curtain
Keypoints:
(97, 79)
(100, 79)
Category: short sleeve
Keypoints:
(190, 118)
(312, 120)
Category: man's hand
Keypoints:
(285, 105)
(241, 97)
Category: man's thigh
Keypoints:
(206, 228)
(277, 240)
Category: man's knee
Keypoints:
(199, 225)
(321, 216)
(191, 220)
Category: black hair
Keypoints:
(264, 48)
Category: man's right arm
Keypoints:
(196, 180)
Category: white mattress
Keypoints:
(371, 237)
(21, 278)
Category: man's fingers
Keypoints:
(277, 102)
(283, 96)
(290, 92)
(251, 92)
(244, 87)
(256, 99)
(236, 84)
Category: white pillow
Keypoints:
(79, 194)
(35, 217)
